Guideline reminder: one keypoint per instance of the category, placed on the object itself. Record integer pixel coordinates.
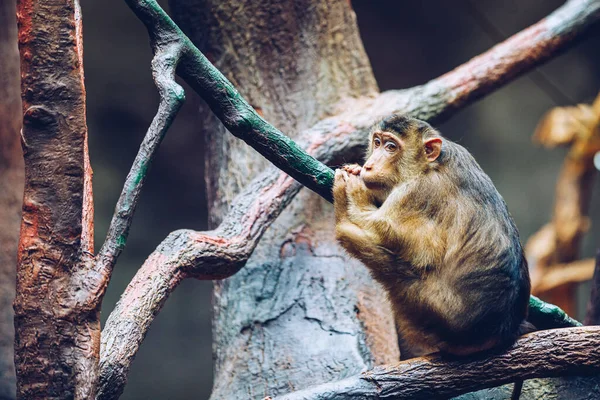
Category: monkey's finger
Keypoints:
(356, 170)
(351, 167)
(352, 183)
(340, 175)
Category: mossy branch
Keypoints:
(167, 55)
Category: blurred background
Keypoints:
(409, 43)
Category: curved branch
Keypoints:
(166, 57)
(558, 242)
(558, 352)
(185, 253)
(221, 253)
(232, 109)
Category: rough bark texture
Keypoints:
(545, 353)
(11, 189)
(297, 293)
(249, 363)
(293, 316)
(224, 251)
(57, 329)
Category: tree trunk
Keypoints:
(11, 189)
(300, 312)
(57, 313)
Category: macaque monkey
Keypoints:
(434, 231)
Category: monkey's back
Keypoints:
(476, 297)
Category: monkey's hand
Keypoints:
(353, 169)
(360, 199)
(340, 198)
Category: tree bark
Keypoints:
(429, 377)
(273, 317)
(57, 324)
(300, 312)
(11, 189)
(302, 316)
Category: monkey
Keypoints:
(432, 229)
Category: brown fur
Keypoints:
(434, 231)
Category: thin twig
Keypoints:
(166, 57)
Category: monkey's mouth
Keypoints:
(372, 183)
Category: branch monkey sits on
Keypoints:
(434, 231)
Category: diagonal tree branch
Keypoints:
(509, 59)
(432, 101)
(557, 352)
(185, 253)
(166, 57)
(222, 252)
(231, 108)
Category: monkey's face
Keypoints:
(394, 158)
(380, 171)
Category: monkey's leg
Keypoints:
(362, 244)
(361, 202)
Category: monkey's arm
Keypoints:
(363, 211)
(361, 243)
(397, 225)
(361, 202)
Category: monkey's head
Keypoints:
(400, 148)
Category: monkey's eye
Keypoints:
(376, 142)
(391, 146)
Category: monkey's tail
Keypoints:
(516, 393)
(526, 327)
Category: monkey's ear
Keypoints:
(433, 148)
